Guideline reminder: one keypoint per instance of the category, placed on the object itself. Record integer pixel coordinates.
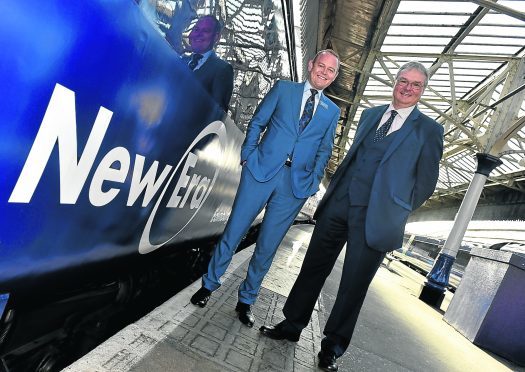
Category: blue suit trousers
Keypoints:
(281, 209)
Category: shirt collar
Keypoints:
(308, 86)
(205, 55)
(403, 113)
(208, 54)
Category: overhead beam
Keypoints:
(500, 9)
(503, 124)
(377, 32)
(469, 57)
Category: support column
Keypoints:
(433, 291)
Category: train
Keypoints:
(118, 172)
(419, 252)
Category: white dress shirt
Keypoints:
(306, 94)
(205, 56)
(399, 120)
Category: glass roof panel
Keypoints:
(416, 39)
(429, 19)
(501, 30)
(442, 6)
(487, 49)
(513, 4)
(412, 49)
(494, 40)
(425, 30)
(500, 19)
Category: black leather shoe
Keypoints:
(278, 332)
(245, 314)
(201, 297)
(327, 361)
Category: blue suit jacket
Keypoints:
(405, 178)
(278, 117)
(216, 76)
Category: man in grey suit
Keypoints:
(287, 146)
(391, 168)
(215, 75)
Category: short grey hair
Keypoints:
(414, 65)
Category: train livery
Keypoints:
(113, 159)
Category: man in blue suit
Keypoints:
(214, 74)
(279, 172)
(391, 168)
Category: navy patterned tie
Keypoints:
(195, 58)
(308, 111)
(383, 129)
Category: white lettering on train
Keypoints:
(202, 186)
(105, 172)
(59, 127)
(148, 181)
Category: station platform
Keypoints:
(395, 330)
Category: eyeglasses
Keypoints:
(416, 85)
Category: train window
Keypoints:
(517, 248)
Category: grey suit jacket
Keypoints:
(405, 178)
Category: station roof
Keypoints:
(474, 51)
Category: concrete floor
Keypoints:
(395, 330)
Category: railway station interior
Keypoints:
(451, 298)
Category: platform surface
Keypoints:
(395, 330)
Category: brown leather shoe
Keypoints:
(278, 332)
(201, 297)
(245, 314)
(327, 361)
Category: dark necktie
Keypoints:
(308, 111)
(195, 58)
(383, 129)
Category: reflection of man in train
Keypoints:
(389, 171)
(279, 172)
(215, 75)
